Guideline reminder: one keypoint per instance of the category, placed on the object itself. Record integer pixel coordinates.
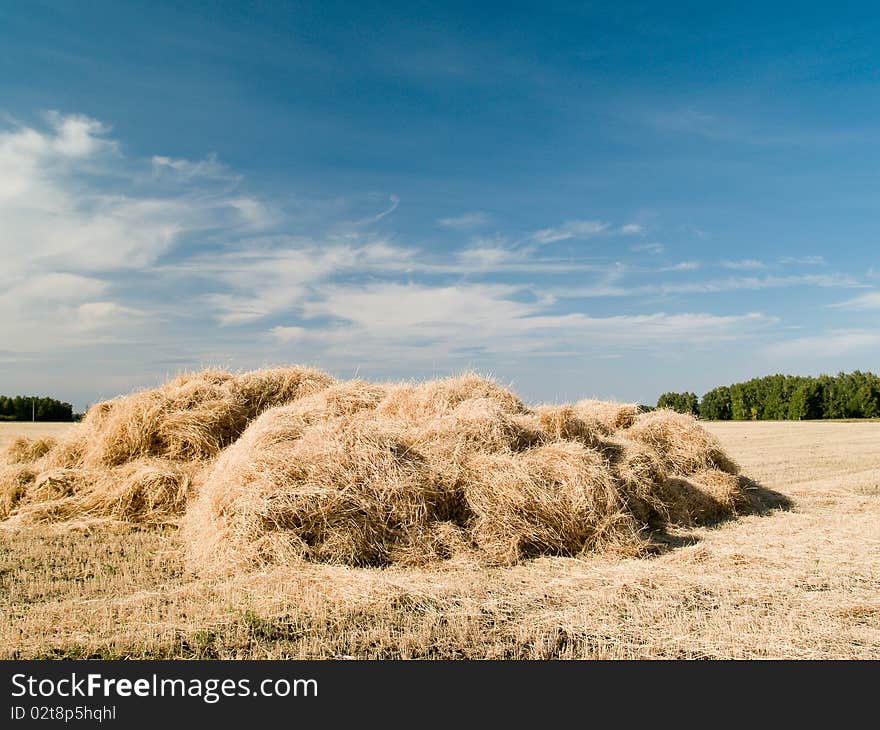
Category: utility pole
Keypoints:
(33, 409)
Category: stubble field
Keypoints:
(798, 582)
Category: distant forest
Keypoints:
(25, 407)
(784, 397)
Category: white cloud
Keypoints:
(76, 135)
(570, 229)
(865, 302)
(289, 334)
(707, 286)
(101, 250)
(651, 248)
(744, 264)
(438, 320)
(465, 221)
(753, 283)
(829, 345)
(393, 203)
(401, 308)
(803, 260)
(189, 169)
(682, 266)
(487, 257)
(77, 217)
(69, 201)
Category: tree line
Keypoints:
(26, 407)
(784, 398)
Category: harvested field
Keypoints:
(801, 582)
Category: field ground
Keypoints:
(11, 429)
(802, 582)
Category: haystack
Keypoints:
(143, 450)
(284, 465)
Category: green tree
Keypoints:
(807, 401)
(681, 402)
(715, 405)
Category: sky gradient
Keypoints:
(587, 199)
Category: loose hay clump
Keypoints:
(14, 482)
(146, 491)
(283, 465)
(345, 491)
(683, 444)
(24, 450)
(439, 397)
(557, 499)
(568, 423)
(613, 415)
(132, 458)
(259, 390)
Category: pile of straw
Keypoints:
(135, 457)
(284, 465)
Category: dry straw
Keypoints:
(284, 465)
(24, 450)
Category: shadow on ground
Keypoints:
(763, 501)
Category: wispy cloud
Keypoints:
(655, 249)
(708, 286)
(394, 202)
(177, 262)
(744, 283)
(570, 229)
(466, 221)
(491, 256)
(500, 318)
(803, 260)
(865, 302)
(682, 266)
(825, 346)
(189, 169)
(744, 264)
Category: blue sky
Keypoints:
(589, 199)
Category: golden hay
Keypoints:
(567, 423)
(613, 415)
(68, 452)
(293, 465)
(639, 471)
(24, 450)
(344, 491)
(559, 499)
(442, 540)
(189, 418)
(706, 496)
(103, 464)
(339, 399)
(439, 397)
(262, 389)
(14, 481)
(683, 444)
(194, 416)
(480, 425)
(145, 491)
